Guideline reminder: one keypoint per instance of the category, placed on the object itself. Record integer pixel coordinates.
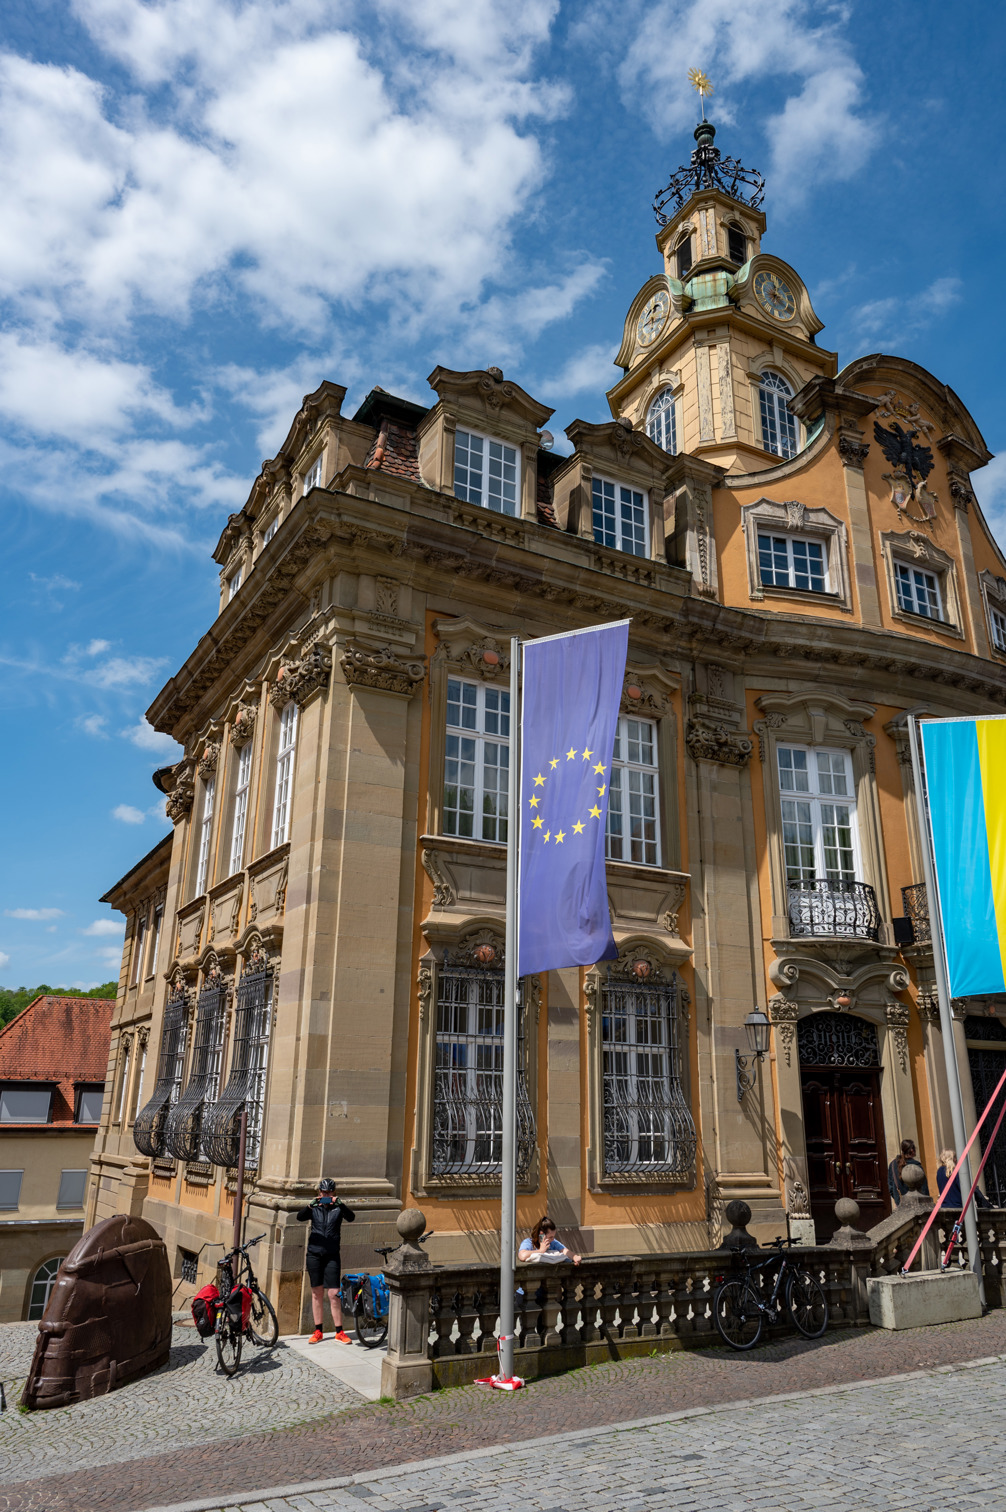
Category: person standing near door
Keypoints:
(326, 1216)
(895, 1185)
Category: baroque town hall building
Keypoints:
(320, 940)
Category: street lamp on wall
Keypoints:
(759, 1032)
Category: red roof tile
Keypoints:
(58, 1039)
(395, 451)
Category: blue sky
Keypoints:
(210, 206)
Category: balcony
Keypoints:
(914, 929)
(833, 909)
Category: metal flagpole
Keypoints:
(943, 995)
(508, 1202)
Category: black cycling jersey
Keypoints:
(326, 1219)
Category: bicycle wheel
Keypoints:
(738, 1314)
(370, 1331)
(807, 1303)
(229, 1339)
(263, 1325)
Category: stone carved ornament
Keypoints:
(383, 669)
(243, 727)
(898, 1016)
(207, 763)
(297, 680)
(707, 741)
(444, 895)
(797, 1196)
(182, 792)
(675, 898)
(784, 1014)
(639, 696)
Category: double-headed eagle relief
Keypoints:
(911, 460)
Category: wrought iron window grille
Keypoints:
(467, 1137)
(833, 907)
(648, 1126)
(149, 1126)
(915, 902)
(837, 1039)
(183, 1126)
(245, 1086)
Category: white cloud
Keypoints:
(110, 956)
(896, 318)
(95, 647)
(127, 814)
(820, 128)
(105, 927)
(94, 724)
(4, 960)
(148, 739)
(592, 369)
(34, 913)
(125, 671)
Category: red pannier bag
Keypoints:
(204, 1310)
(238, 1306)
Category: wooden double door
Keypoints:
(846, 1155)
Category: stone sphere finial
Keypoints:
(738, 1214)
(410, 1223)
(912, 1176)
(847, 1212)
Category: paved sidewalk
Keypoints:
(919, 1444)
(352, 1364)
(368, 1438)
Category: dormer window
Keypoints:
(737, 244)
(233, 584)
(485, 472)
(683, 257)
(620, 516)
(315, 473)
(778, 423)
(662, 421)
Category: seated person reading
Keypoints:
(543, 1245)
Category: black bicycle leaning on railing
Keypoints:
(245, 1311)
(742, 1304)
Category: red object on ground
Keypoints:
(204, 1310)
(342, 1336)
(316, 1337)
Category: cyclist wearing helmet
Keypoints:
(324, 1268)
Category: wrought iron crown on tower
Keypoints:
(708, 169)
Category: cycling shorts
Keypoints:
(323, 1271)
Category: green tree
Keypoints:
(13, 999)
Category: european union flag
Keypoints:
(572, 689)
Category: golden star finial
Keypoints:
(701, 84)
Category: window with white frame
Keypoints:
(620, 516)
(786, 561)
(997, 620)
(818, 814)
(485, 472)
(134, 1100)
(233, 584)
(476, 761)
(155, 939)
(138, 942)
(41, 1287)
(315, 474)
(662, 421)
(778, 423)
(270, 529)
(648, 1126)
(633, 794)
(205, 835)
(241, 807)
(284, 774)
(918, 591)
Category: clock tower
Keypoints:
(718, 342)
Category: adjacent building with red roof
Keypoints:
(53, 1064)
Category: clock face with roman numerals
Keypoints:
(651, 322)
(775, 295)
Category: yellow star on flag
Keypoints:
(599, 767)
(578, 827)
(533, 800)
(600, 791)
(538, 821)
(570, 753)
(560, 836)
(587, 755)
(595, 812)
(548, 836)
(554, 762)
(539, 781)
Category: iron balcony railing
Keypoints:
(821, 906)
(916, 906)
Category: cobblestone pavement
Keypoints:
(920, 1444)
(377, 1435)
(185, 1403)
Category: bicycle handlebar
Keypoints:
(779, 1243)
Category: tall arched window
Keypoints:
(683, 256)
(737, 243)
(42, 1284)
(662, 421)
(778, 423)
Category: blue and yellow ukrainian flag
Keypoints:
(965, 761)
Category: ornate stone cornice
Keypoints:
(300, 679)
(179, 799)
(384, 669)
(852, 452)
(717, 742)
